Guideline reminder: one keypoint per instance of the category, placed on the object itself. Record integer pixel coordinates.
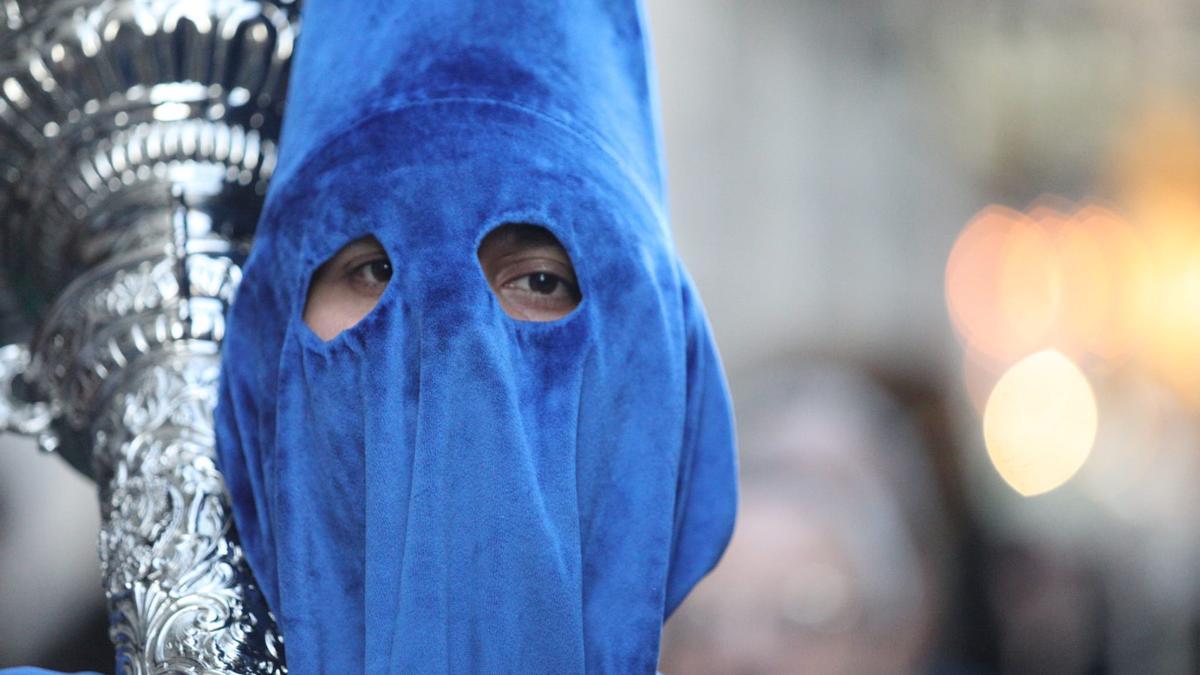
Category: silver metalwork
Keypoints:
(29, 418)
(136, 141)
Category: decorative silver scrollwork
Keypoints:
(175, 580)
(136, 141)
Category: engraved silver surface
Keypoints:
(136, 141)
(29, 418)
(176, 582)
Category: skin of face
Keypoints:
(526, 267)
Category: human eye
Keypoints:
(370, 277)
(542, 292)
(530, 272)
(347, 287)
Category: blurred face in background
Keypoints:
(826, 572)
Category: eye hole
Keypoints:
(530, 272)
(347, 287)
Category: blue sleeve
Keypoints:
(30, 670)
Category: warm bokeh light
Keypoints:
(1040, 422)
(1110, 290)
(1105, 272)
(1171, 322)
(1002, 283)
(1079, 281)
(1157, 171)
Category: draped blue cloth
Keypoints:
(442, 487)
(30, 670)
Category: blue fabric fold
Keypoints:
(442, 487)
(31, 670)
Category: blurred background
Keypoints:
(951, 253)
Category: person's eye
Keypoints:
(546, 284)
(372, 276)
(347, 287)
(539, 296)
(530, 272)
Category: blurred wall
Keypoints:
(814, 196)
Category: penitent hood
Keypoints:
(442, 487)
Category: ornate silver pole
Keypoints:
(136, 140)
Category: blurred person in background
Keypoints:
(837, 562)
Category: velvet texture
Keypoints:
(443, 488)
(27, 670)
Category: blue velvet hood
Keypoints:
(441, 487)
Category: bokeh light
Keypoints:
(1002, 283)
(1109, 289)
(1171, 323)
(1157, 172)
(1040, 422)
(1105, 269)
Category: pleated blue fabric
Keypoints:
(442, 487)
